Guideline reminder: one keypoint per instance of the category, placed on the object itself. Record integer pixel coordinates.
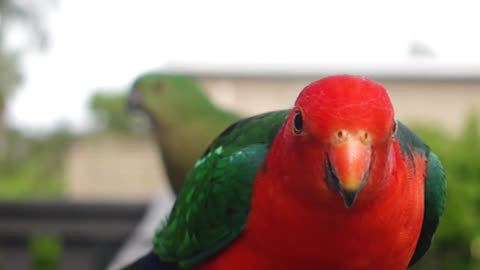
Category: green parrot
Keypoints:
(184, 120)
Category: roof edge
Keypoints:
(412, 70)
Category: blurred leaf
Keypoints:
(46, 252)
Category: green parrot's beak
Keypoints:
(134, 101)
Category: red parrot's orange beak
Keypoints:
(348, 166)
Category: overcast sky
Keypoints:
(104, 44)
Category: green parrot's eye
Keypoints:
(297, 123)
(158, 87)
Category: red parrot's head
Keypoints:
(339, 136)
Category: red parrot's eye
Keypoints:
(394, 129)
(297, 123)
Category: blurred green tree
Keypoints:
(33, 166)
(29, 15)
(457, 243)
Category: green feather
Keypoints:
(212, 208)
(435, 187)
(435, 199)
(184, 120)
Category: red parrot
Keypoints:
(334, 183)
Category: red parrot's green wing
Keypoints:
(435, 187)
(212, 208)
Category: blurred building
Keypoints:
(122, 168)
(114, 168)
(422, 92)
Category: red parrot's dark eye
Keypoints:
(297, 123)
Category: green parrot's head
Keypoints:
(166, 97)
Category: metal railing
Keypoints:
(89, 234)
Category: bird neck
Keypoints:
(280, 220)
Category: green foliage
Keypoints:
(32, 167)
(110, 110)
(10, 77)
(46, 252)
(29, 16)
(457, 243)
(21, 164)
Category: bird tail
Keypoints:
(150, 262)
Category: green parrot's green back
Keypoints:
(212, 208)
(183, 118)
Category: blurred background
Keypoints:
(78, 170)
